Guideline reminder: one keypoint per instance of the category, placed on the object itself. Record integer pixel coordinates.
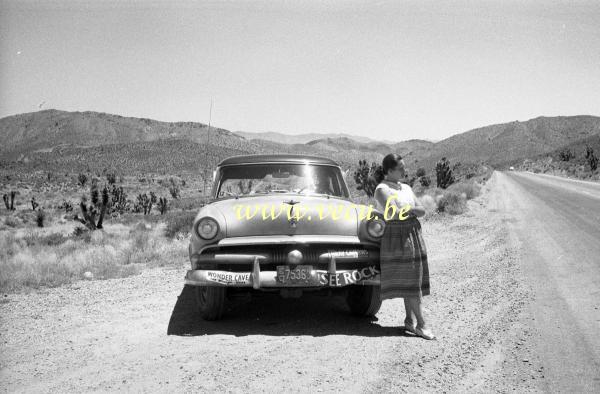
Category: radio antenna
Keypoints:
(206, 168)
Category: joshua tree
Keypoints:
(34, 205)
(174, 188)
(364, 179)
(443, 173)
(118, 202)
(566, 155)
(144, 203)
(111, 178)
(162, 205)
(591, 158)
(93, 213)
(82, 179)
(67, 206)
(10, 206)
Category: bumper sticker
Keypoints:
(347, 278)
(229, 278)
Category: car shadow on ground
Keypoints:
(269, 314)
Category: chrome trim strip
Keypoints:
(290, 239)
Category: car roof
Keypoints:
(276, 158)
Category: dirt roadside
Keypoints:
(142, 334)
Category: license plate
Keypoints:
(299, 274)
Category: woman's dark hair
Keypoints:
(389, 162)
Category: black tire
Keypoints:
(211, 301)
(364, 300)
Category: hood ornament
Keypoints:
(293, 220)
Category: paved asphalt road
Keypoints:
(556, 221)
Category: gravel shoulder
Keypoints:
(142, 334)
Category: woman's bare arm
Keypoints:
(418, 210)
(383, 194)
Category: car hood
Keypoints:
(315, 214)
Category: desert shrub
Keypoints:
(81, 233)
(40, 217)
(425, 181)
(180, 222)
(453, 203)
(11, 221)
(174, 188)
(188, 203)
(591, 158)
(566, 155)
(428, 203)
(35, 238)
(470, 189)
(140, 235)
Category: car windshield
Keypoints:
(281, 178)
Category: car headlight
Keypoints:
(207, 228)
(375, 227)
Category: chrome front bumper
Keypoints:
(259, 279)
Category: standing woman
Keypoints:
(403, 255)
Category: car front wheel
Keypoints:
(364, 300)
(211, 301)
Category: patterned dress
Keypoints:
(403, 255)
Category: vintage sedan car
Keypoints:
(284, 223)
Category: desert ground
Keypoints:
(515, 297)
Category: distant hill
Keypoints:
(306, 137)
(501, 143)
(72, 140)
(48, 128)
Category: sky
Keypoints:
(393, 70)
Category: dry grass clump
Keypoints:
(452, 200)
(179, 223)
(452, 203)
(428, 203)
(45, 257)
(470, 189)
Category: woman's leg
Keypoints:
(409, 319)
(415, 307)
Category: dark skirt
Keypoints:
(403, 258)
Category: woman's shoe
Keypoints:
(409, 327)
(424, 333)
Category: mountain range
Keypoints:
(78, 141)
